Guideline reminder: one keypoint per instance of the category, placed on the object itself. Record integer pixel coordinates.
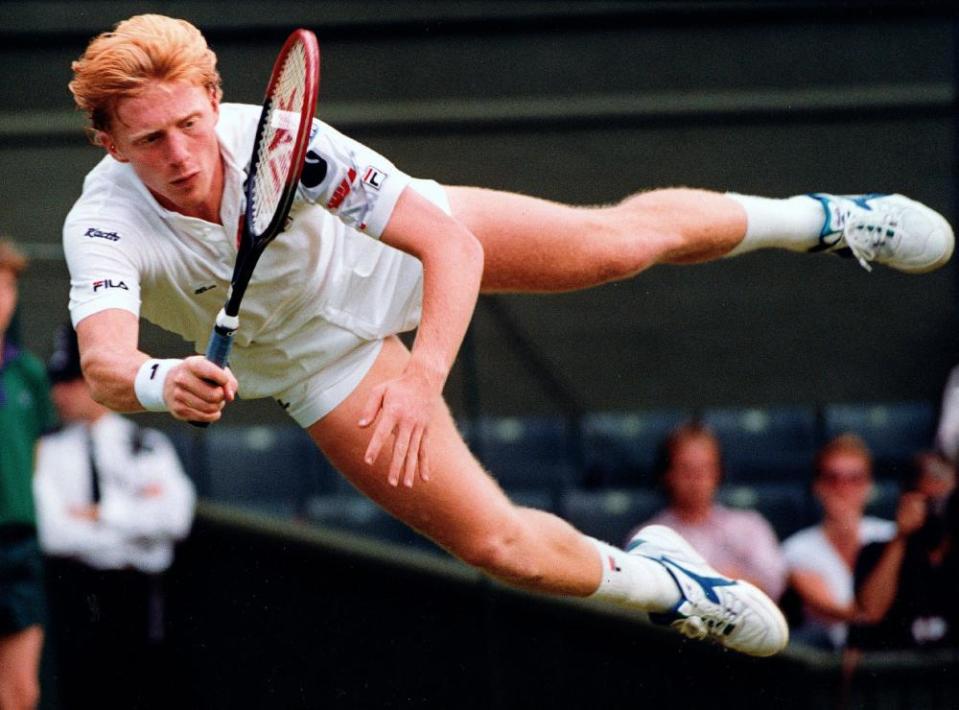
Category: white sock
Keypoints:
(634, 581)
(793, 223)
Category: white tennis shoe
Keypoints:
(885, 229)
(730, 612)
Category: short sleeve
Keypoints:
(353, 182)
(103, 269)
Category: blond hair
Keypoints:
(145, 48)
(846, 443)
(11, 258)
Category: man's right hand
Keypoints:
(197, 390)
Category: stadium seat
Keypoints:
(765, 443)
(894, 431)
(621, 449)
(188, 442)
(610, 515)
(272, 469)
(787, 505)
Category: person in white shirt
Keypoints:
(947, 429)
(112, 500)
(821, 558)
(153, 234)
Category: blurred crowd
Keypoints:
(852, 580)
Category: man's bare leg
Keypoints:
(19, 669)
(462, 509)
(537, 245)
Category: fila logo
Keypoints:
(109, 283)
(373, 177)
(95, 233)
(342, 190)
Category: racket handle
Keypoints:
(219, 345)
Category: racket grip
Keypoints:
(218, 347)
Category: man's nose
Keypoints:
(177, 149)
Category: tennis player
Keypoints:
(371, 252)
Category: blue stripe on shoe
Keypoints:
(708, 584)
(863, 200)
(827, 228)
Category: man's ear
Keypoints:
(215, 101)
(110, 146)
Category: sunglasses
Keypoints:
(847, 476)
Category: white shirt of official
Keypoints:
(322, 288)
(135, 529)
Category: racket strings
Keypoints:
(278, 139)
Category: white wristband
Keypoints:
(148, 384)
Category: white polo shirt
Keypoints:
(319, 291)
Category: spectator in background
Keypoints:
(947, 432)
(906, 587)
(112, 499)
(821, 558)
(25, 413)
(738, 543)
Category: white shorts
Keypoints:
(317, 395)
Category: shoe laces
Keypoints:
(866, 233)
(718, 621)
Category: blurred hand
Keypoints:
(85, 512)
(910, 513)
(151, 490)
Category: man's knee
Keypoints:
(503, 553)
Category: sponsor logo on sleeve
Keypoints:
(109, 283)
(373, 177)
(94, 233)
(342, 190)
(314, 170)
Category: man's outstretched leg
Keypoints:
(462, 509)
(536, 245)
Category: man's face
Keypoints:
(694, 473)
(8, 298)
(167, 134)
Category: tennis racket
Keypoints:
(279, 150)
